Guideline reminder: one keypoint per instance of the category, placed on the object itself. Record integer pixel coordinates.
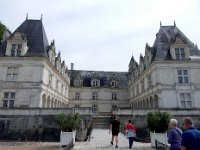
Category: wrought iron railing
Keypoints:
(161, 146)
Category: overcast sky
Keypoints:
(103, 34)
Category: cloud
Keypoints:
(103, 34)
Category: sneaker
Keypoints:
(116, 146)
(111, 143)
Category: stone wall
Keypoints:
(36, 124)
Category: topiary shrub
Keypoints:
(158, 121)
(69, 122)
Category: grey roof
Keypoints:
(37, 41)
(104, 77)
(166, 36)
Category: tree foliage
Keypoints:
(158, 121)
(2, 28)
(69, 122)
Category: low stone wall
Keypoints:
(36, 124)
(139, 115)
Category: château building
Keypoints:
(168, 75)
(102, 91)
(32, 74)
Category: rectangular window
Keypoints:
(9, 99)
(114, 96)
(76, 106)
(182, 76)
(12, 53)
(142, 85)
(77, 96)
(18, 52)
(137, 89)
(94, 96)
(12, 74)
(149, 81)
(19, 46)
(180, 53)
(57, 84)
(113, 83)
(95, 83)
(186, 101)
(13, 46)
(61, 90)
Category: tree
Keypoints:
(2, 28)
(158, 121)
(69, 122)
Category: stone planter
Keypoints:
(67, 137)
(161, 137)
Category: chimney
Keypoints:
(72, 66)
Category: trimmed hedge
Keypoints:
(158, 121)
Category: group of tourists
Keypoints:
(178, 140)
(187, 140)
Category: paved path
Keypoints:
(100, 140)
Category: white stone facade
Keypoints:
(104, 102)
(167, 76)
(31, 86)
(33, 75)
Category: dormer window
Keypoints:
(114, 83)
(16, 50)
(13, 46)
(95, 83)
(78, 83)
(180, 53)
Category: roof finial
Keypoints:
(41, 17)
(26, 16)
(174, 23)
(160, 24)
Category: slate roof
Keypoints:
(166, 36)
(103, 76)
(37, 41)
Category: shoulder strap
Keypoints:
(177, 131)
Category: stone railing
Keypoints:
(143, 112)
(44, 111)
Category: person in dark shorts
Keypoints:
(115, 127)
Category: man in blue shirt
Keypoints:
(190, 137)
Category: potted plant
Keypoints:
(68, 124)
(158, 123)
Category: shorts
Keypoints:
(115, 133)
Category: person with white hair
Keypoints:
(174, 135)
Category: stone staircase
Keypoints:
(101, 122)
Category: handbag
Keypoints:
(131, 133)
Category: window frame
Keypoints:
(114, 96)
(180, 53)
(94, 95)
(12, 74)
(16, 50)
(185, 99)
(183, 76)
(77, 96)
(9, 100)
